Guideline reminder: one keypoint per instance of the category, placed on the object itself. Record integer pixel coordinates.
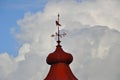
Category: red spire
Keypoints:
(59, 61)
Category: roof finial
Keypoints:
(58, 25)
(58, 33)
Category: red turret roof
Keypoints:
(59, 61)
(59, 56)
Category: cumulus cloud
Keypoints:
(7, 65)
(93, 38)
(93, 51)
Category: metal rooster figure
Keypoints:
(58, 33)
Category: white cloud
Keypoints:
(93, 53)
(24, 49)
(93, 38)
(7, 65)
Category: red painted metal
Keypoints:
(59, 61)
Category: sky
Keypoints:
(93, 37)
(11, 11)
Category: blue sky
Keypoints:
(11, 12)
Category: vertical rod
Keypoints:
(58, 29)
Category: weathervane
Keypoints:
(58, 33)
